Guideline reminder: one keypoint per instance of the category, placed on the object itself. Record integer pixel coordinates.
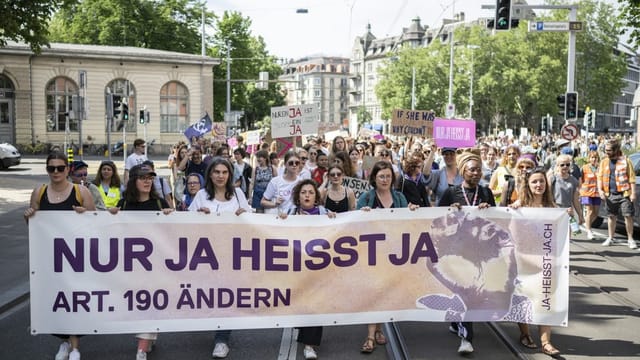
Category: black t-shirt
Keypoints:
(467, 197)
(195, 168)
(151, 204)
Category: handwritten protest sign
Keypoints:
(142, 271)
(412, 122)
(294, 120)
(358, 186)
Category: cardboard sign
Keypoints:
(412, 122)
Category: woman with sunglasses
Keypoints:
(61, 195)
(336, 197)
(381, 196)
(277, 195)
(510, 188)
(108, 181)
(536, 192)
(565, 187)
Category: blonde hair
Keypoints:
(562, 158)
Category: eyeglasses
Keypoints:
(383, 154)
(312, 153)
(82, 174)
(146, 178)
(384, 177)
(193, 183)
(60, 168)
(293, 163)
(564, 165)
(335, 174)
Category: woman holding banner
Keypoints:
(220, 195)
(382, 196)
(60, 194)
(537, 192)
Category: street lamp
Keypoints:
(473, 48)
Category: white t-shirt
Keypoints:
(215, 206)
(304, 173)
(133, 160)
(278, 186)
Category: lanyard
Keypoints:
(475, 196)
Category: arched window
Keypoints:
(126, 91)
(174, 107)
(59, 92)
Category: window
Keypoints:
(126, 90)
(316, 82)
(316, 93)
(174, 108)
(58, 97)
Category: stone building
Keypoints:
(41, 96)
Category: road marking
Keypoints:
(288, 344)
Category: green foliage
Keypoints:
(516, 74)
(26, 21)
(172, 25)
(248, 56)
(630, 17)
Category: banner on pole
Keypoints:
(148, 272)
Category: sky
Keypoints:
(330, 26)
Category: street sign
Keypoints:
(569, 131)
(451, 111)
(555, 26)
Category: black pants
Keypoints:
(311, 335)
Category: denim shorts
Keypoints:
(587, 200)
(617, 204)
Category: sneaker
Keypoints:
(465, 347)
(590, 235)
(141, 355)
(74, 355)
(309, 353)
(607, 242)
(220, 351)
(632, 244)
(63, 351)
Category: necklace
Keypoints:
(475, 196)
(334, 192)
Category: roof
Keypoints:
(109, 52)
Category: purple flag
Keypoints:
(200, 128)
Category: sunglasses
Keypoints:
(82, 174)
(383, 154)
(564, 165)
(304, 158)
(335, 174)
(60, 168)
(312, 153)
(293, 163)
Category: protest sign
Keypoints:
(294, 120)
(454, 133)
(358, 186)
(139, 271)
(412, 122)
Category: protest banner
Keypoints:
(294, 120)
(454, 133)
(199, 128)
(97, 273)
(252, 137)
(412, 122)
(219, 131)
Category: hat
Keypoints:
(448, 149)
(141, 170)
(567, 150)
(148, 162)
(561, 142)
(77, 164)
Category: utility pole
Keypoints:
(228, 108)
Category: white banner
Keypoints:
(147, 272)
(294, 120)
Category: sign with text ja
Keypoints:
(294, 120)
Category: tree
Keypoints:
(248, 56)
(28, 20)
(630, 16)
(172, 25)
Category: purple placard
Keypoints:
(454, 133)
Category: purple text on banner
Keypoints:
(454, 133)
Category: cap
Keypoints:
(77, 164)
(567, 150)
(561, 142)
(448, 149)
(141, 170)
(149, 163)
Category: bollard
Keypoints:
(70, 155)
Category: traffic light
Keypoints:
(117, 103)
(544, 125)
(125, 111)
(141, 117)
(503, 14)
(571, 107)
(591, 118)
(562, 102)
(491, 23)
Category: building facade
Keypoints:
(42, 96)
(321, 81)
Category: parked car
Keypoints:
(9, 156)
(602, 214)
